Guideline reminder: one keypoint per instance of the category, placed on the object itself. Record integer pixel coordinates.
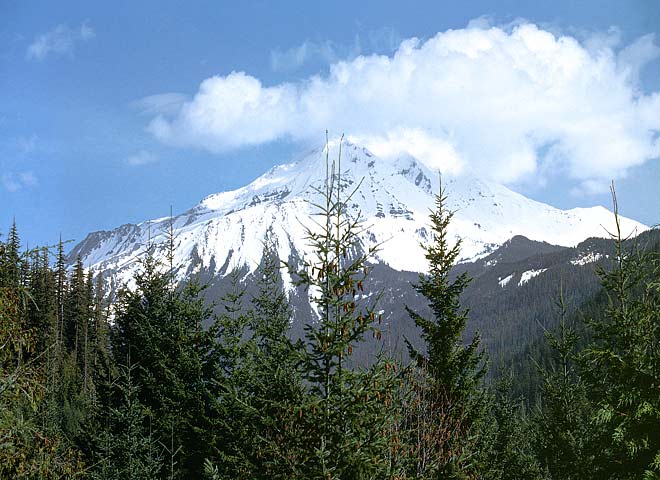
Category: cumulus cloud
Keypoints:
(140, 158)
(13, 182)
(507, 102)
(60, 41)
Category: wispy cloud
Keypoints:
(327, 52)
(13, 182)
(507, 101)
(295, 57)
(140, 158)
(27, 145)
(60, 41)
(161, 104)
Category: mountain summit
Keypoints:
(227, 230)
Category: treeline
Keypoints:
(157, 385)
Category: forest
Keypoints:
(150, 382)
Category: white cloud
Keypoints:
(140, 158)
(13, 182)
(636, 55)
(59, 41)
(437, 151)
(508, 102)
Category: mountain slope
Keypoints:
(227, 230)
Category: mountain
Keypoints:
(514, 316)
(226, 230)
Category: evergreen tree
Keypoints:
(621, 366)
(454, 370)
(102, 365)
(11, 262)
(346, 417)
(272, 389)
(61, 291)
(506, 450)
(562, 425)
(75, 387)
(161, 329)
(42, 309)
(28, 449)
(126, 447)
(235, 351)
(272, 313)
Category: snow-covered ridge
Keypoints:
(227, 229)
(529, 274)
(586, 258)
(504, 281)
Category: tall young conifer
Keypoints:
(346, 417)
(622, 366)
(453, 370)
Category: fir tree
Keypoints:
(562, 417)
(11, 261)
(506, 452)
(346, 418)
(161, 329)
(28, 448)
(61, 290)
(272, 387)
(621, 365)
(455, 370)
(42, 309)
(126, 447)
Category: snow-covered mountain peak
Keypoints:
(304, 176)
(227, 229)
(374, 180)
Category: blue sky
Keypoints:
(110, 112)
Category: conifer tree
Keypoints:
(161, 329)
(42, 309)
(346, 418)
(102, 366)
(454, 370)
(272, 313)
(76, 389)
(269, 388)
(28, 449)
(11, 261)
(235, 350)
(505, 450)
(126, 447)
(61, 290)
(562, 417)
(621, 365)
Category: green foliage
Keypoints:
(28, 449)
(160, 328)
(264, 387)
(622, 364)
(173, 390)
(506, 449)
(562, 422)
(126, 447)
(454, 370)
(346, 416)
